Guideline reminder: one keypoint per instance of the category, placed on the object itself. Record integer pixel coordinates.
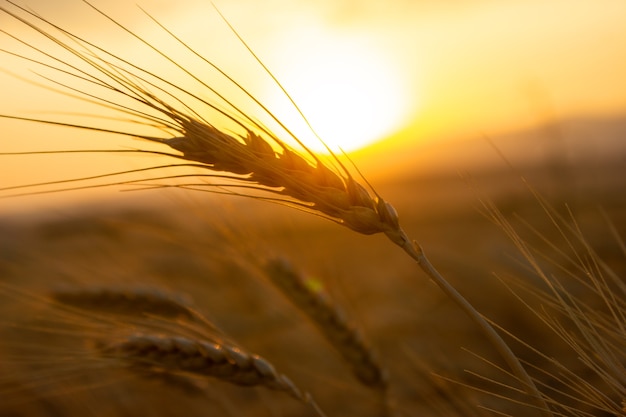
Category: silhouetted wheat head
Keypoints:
(253, 159)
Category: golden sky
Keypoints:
(402, 72)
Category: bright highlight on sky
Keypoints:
(349, 90)
(422, 71)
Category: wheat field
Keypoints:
(75, 282)
(179, 302)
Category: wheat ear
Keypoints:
(254, 158)
(132, 300)
(330, 321)
(227, 363)
(147, 301)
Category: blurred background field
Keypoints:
(445, 107)
(206, 247)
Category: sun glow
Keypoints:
(347, 88)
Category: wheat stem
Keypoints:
(416, 252)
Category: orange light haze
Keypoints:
(400, 73)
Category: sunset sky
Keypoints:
(402, 73)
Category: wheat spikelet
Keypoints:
(330, 321)
(178, 354)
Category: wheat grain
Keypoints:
(330, 321)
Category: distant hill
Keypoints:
(559, 144)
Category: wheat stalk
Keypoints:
(330, 321)
(255, 158)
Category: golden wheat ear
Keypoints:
(254, 157)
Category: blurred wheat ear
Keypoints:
(330, 321)
(252, 159)
(205, 359)
(140, 333)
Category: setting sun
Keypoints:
(349, 90)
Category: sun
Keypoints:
(349, 91)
